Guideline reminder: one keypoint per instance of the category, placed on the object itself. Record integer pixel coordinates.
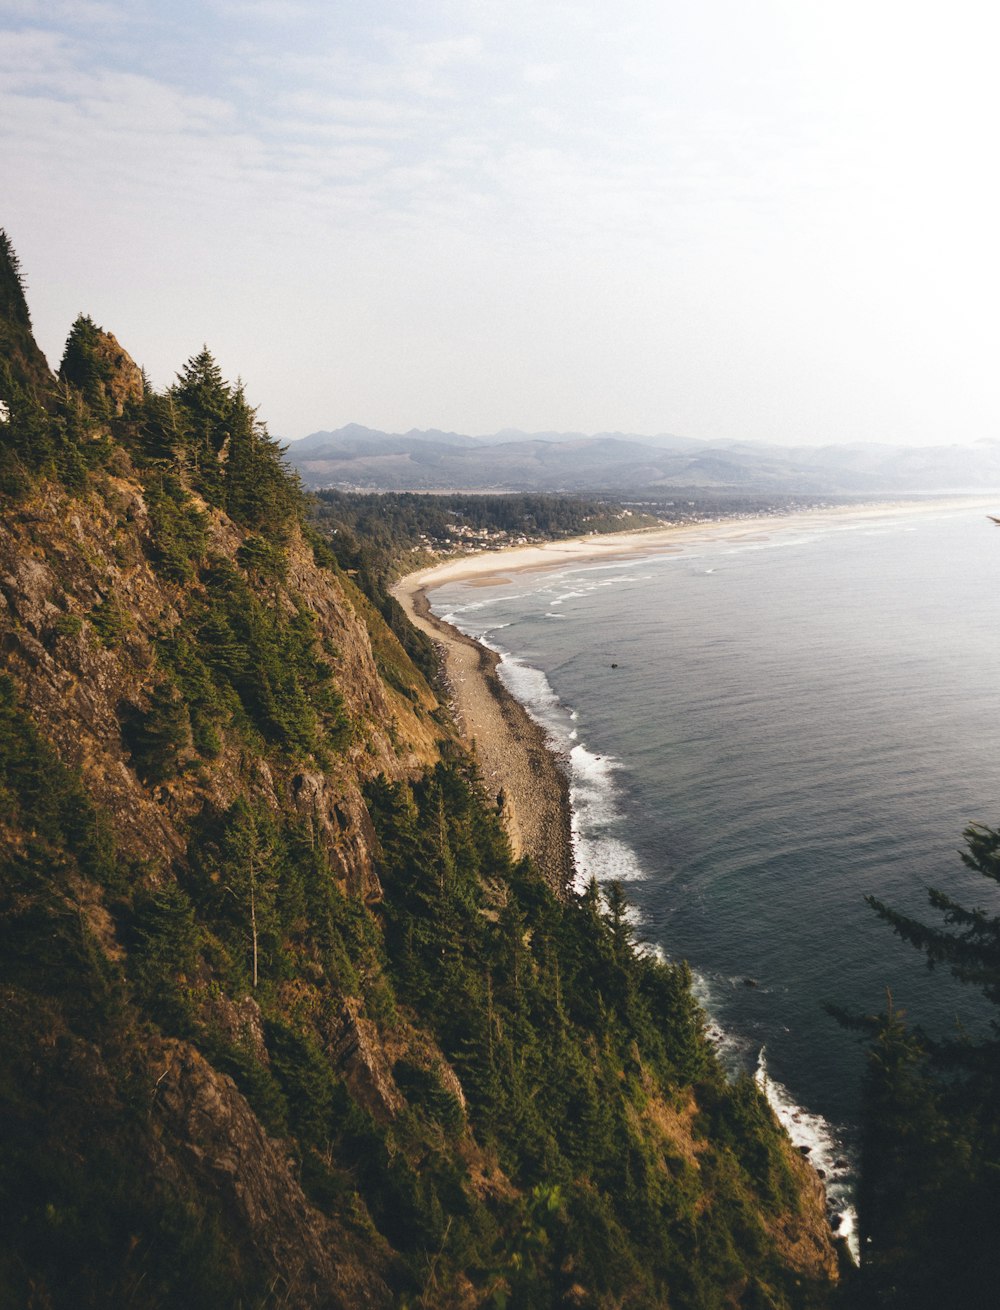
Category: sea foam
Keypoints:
(821, 1142)
(602, 853)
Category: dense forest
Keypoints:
(377, 533)
(285, 1024)
(396, 522)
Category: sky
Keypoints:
(765, 220)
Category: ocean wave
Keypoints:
(481, 603)
(735, 1051)
(605, 858)
(818, 1139)
(530, 686)
(596, 818)
(600, 852)
(823, 1143)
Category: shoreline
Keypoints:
(621, 545)
(515, 757)
(551, 780)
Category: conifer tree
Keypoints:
(930, 1186)
(82, 366)
(203, 401)
(261, 491)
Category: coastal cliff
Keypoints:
(287, 1021)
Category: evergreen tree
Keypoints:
(82, 365)
(261, 491)
(929, 1198)
(203, 401)
(157, 736)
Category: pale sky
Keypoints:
(754, 219)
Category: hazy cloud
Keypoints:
(773, 220)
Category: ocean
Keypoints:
(761, 728)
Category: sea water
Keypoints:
(762, 728)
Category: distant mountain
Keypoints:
(367, 459)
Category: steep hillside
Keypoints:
(284, 1023)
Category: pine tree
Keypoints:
(261, 491)
(930, 1187)
(203, 401)
(158, 736)
(82, 365)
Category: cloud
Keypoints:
(541, 74)
(359, 111)
(395, 155)
(70, 13)
(32, 54)
(282, 12)
(409, 126)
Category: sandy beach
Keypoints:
(511, 748)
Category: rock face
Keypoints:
(357, 1050)
(212, 1129)
(121, 376)
(344, 828)
(64, 561)
(803, 1238)
(101, 371)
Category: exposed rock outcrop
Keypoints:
(209, 1124)
(122, 378)
(83, 568)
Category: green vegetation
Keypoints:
(569, 1043)
(200, 436)
(178, 535)
(372, 538)
(371, 534)
(110, 620)
(930, 1181)
(157, 736)
(244, 664)
(87, 368)
(280, 1029)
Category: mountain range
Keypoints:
(357, 457)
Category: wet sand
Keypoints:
(513, 754)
